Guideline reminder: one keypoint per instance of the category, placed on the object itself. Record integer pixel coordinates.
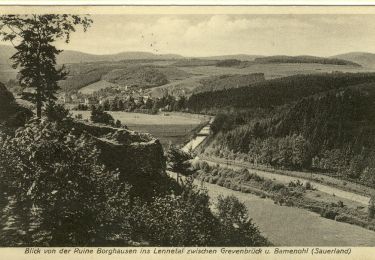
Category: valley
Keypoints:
(280, 113)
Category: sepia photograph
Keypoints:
(187, 128)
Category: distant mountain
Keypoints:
(366, 59)
(242, 57)
(304, 59)
(78, 57)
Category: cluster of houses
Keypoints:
(137, 95)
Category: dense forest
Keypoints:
(304, 59)
(275, 92)
(215, 83)
(332, 131)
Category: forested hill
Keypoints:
(329, 127)
(275, 92)
(304, 59)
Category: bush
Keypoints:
(308, 186)
(236, 227)
(60, 189)
(100, 116)
(178, 160)
(342, 217)
(371, 208)
(56, 112)
(329, 212)
(220, 181)
(118, 123)
(340, 204)
(277, 186)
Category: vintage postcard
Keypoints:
(187, 131)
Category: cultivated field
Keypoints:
(169, 128)
(187, 85)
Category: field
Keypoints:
(273, 70)
(169, 128)
(101, 84)
(286, 226)
(270, 71)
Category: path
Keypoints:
(286, 179)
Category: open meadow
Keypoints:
(169, 128)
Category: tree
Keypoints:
(33, 37)
(100, 116)
(176, 160)
(56, 112)
(237, 228)
(371, 207)
(61, 194)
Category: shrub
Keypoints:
(329, 212)
(61, 189)
(215, 179)
(308, 186)
(236, 227)
(342, 217)
(55, 112)
(118, 123)
(277, 186)
(220, 181)
(100, 116)
(340, 204)
(371, 208)
(176, 159)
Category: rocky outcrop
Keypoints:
(139, 157)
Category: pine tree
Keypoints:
(33, 37)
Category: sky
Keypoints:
(207, 35)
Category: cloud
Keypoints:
(196, 35)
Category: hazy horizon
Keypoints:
(216, 35)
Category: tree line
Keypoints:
(332, 132)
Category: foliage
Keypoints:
(176, 220)
(228, 63)
(275, 92)
(33, 37)
(11, 114)
(100, 116)
(185, 219)
(62, 195)
(177, 160)
(215, 83)
(236, 227)
(142, 76)
(331, 132)
(55, 112)
(371, 208)
(304, 59)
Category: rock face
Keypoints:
(139, 157)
